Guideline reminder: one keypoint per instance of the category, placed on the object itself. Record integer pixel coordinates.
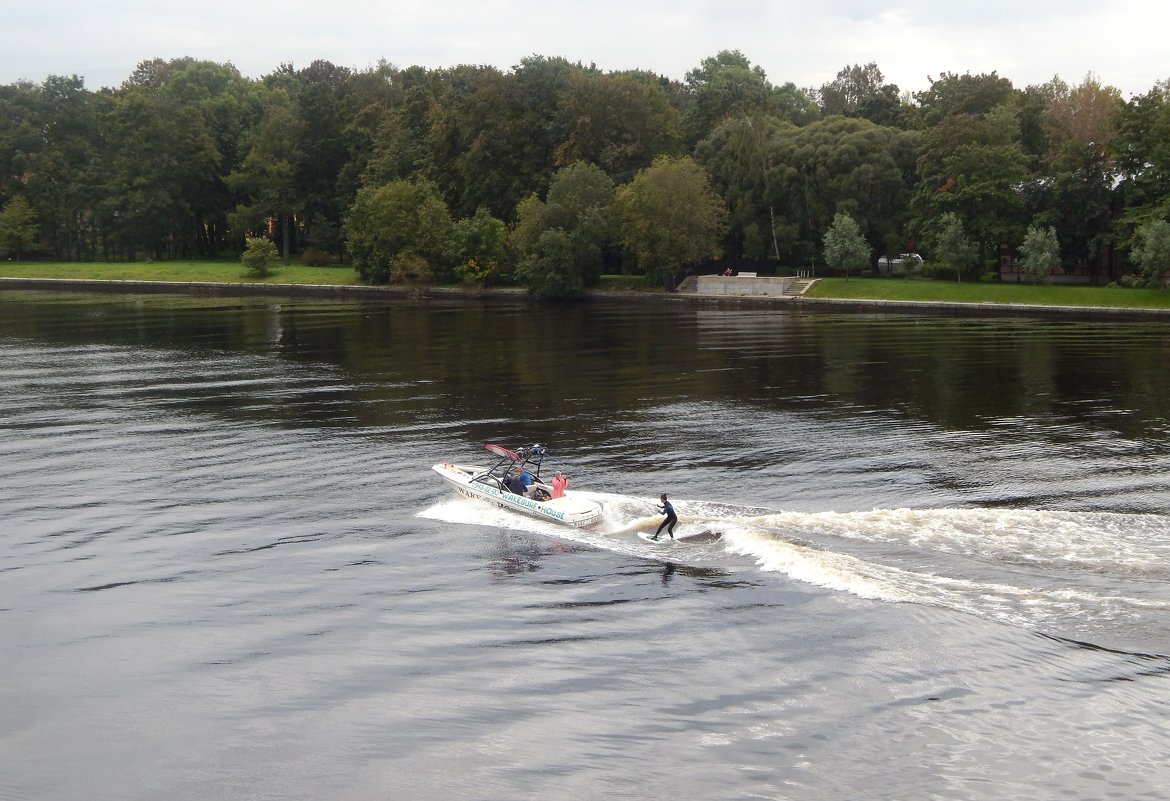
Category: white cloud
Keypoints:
(802, 41)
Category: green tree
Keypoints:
(671, 219)
(20, 135)
(620, 122)
(170, 134)
(975, 167)
(1143, 155)
(967, 94)
(468, 121)
(497, 135)
(260, 256)
(478, 247)
(845, 247)
(840, 164)
(318, 93)
(395, 131)
(18, 226)
(531, 221)
(266, 177)
(393, 221)
(726, 85)
(738, 157)
(1041, 252)
(546, 268)
(580, 204)
(223, 107)
(1151, 251)
(951, 245)
(58, 173)
(862, 92)
(1075, 186)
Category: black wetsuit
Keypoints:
(671, 519)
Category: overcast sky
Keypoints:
(803, 41)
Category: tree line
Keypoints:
(553, 172)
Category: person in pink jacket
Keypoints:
(559, 482)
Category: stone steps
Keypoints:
(798, 287)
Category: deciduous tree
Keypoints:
(859, 91)
(546, 269)
(18, 226)
(969, 94)
(671, 220)
(260, 256)
(727, 85)
(975, 167)
(738, 157)
(478, 247)
(1143, 149)
(389, 222)
(845, 247)
(1151, 251)
(841, 164)
(580, 204)
(266, 179)
(1040, 251)
(620, 122)
(950, 244)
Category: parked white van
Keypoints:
(904, 262)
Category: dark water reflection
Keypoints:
(491, 358)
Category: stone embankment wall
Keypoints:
(742, 285)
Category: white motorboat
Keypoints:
(498, 484)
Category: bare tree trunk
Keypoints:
(284, 238)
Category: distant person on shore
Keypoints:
(728, 273)
(559, 482)
(671, 518)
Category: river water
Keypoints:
(227, 570)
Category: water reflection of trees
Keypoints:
(511, 367)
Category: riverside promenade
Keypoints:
(791, 291)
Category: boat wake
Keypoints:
(1078, 574)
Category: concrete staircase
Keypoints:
(798, 287)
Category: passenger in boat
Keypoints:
(524, 481)
(513, 485)
(559, 482)
(671, 518)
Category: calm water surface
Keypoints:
(227, 571)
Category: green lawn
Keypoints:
(226, 272)
(987, 292)
(854, 288)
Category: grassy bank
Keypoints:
(231, 273)
(225, 272)
(954, 292)
(855, 288)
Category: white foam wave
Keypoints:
(999, 563)
(1083, 540)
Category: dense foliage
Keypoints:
(551, 172)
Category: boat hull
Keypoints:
(568, 511)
